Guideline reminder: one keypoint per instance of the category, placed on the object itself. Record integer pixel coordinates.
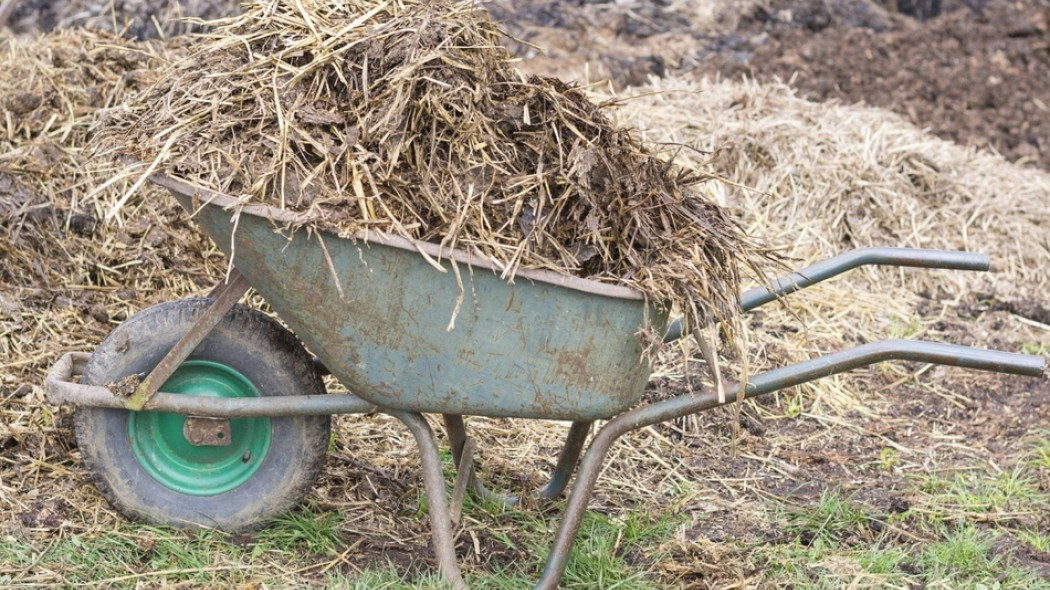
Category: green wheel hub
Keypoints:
(162, 449)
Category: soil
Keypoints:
(973, 71)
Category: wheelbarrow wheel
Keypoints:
(143, 463)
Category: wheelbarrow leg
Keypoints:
(463, 457)
(591, 466)
(434, 485)
(567, 460)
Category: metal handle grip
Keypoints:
(836, 265)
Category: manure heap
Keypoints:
(52, 89)
(409, 118)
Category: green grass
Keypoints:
(305, 529)
(979, 519)
(1036, 348)
(961, 555)
(303, 549)
(981, 495)
(964, 534)
(387, 578)
(1038, 540)
(833, 517)
(902, 327)
(127, 557)
(1037, 454)
(610, 552)
(598, 558)
(964, 529)
(963, 559)
(828, 545)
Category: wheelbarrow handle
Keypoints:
(937, 353)
(825, 269)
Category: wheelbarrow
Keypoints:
(202, 412)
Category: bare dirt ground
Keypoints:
(975, 72)
(137, 19)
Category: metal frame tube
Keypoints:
(60, 389)
(836, 265)
(434, 483)
(567, 461)
(224, 297)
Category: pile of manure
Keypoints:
(52, 89)
(410, 118)
(66, 277)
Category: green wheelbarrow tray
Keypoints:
(410, 328)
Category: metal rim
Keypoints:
(162, 449)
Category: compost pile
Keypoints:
(410, 118)
(52, 88)
(65, 276)
(870, 179)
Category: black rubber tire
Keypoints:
(246, 340)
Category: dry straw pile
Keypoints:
(829, 177)
(825, 177)
(410, 118)
(65, 276)
(51, 90)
